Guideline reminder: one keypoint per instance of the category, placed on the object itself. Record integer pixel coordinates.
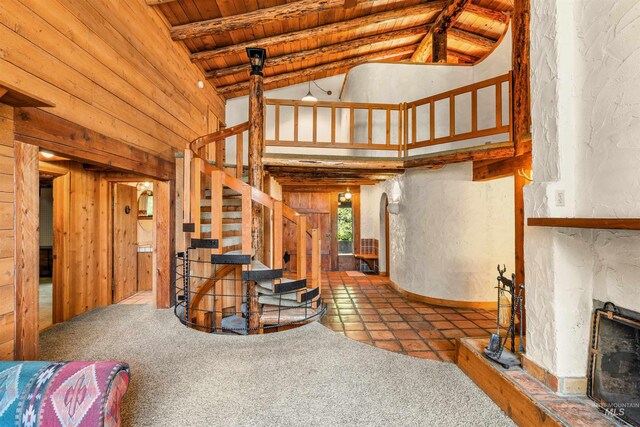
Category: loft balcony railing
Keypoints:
(465, 117)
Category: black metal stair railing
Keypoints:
(207, 311)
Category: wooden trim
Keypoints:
(10, 95)
(590, 223)
(27, 239)
(387, 17)
(484, 152)
(512, 399)
(486, 305)
(493, 169)
(164, 243)
(45, 130)
(263, 16)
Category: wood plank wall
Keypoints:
(7, 240)
(110, 66)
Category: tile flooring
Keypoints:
(366, 308)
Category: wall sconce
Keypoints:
(257, 57)
(393, 208)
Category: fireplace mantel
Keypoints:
(594, 223)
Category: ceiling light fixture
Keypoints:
(200, 84)
(46, 154)
(309, 96)
(348, 194)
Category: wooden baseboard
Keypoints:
(507, 395)
(486, 305)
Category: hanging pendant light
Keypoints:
(309, 96)
(348, 194)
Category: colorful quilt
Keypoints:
(63, 394)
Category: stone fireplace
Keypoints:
(614, 362)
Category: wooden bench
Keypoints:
(370, 259)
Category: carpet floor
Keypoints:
(307, 376)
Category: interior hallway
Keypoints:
(366, 308)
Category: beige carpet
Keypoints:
(309, 376)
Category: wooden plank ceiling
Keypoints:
(309, 40)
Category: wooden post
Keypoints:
(301, 236)
(256, 151)
(521, 88)
(26, 250)
(519, 183)
(277, 235)
(164, 243)
(520, 121)
(216, 209)
(239, 155)
(439, 50)
(316, 257)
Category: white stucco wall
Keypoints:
(450, 232)
(586, 142)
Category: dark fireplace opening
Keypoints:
(614, 374)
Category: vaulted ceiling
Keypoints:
(308, 40)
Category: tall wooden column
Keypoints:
(26, 250)
(256, 151)
(256, 172)
(521, 121)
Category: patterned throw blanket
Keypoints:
(62, 394)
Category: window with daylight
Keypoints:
(345, 225)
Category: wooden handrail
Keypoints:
(199, 143)
(196, 166)
(498, 128)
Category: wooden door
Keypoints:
(124, 242)
(317, 207)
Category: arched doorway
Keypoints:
(384, 261)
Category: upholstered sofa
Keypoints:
(62, 394)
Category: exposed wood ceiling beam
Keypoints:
(296, 9)
(438, 30)
(349, 46)
(487, 13)
(472, 38)
(324, 30)
(462, 57)
(310, 72)
(498, 150)
(158, 2)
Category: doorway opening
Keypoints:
(46, 265)
(132, 248)
(384, 236)
(345, 225)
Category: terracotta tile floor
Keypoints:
(367, 309)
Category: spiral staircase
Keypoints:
(222, 284)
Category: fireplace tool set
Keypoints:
(496, 349)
